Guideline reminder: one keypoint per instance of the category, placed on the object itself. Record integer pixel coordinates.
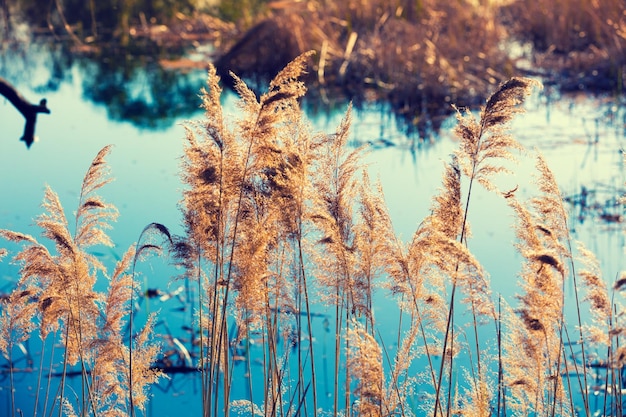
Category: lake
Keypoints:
(581, 136)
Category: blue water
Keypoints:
(581, 138)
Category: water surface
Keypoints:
(581, 138)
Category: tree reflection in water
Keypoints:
(129, 82)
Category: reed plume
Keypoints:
(371, 234)
(272, 212)
(61, 296)
(244, 209)
(235, 176)
(486, 141)
(18, 310)
(543, 240)
(364, 359)
(333, 215)
(437, 259)
(483, 143)
(16, 325)
(108, 372)
(597, 292)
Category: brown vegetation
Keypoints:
(418, 56)
(577, 45)
(56, 295)
(422, 56)
(277, 220)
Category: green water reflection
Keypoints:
(131, 87)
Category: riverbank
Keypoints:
(417, 57)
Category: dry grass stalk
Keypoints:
(271, 213)
(244, 212)
(364, 359)
(62, 297)
(533, 344)
(545, 243)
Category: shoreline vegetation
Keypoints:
(420, 57)
(278, 218)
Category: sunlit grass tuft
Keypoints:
(279, 222)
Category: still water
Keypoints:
(140, 112)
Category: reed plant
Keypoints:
(280, 223)
(56, 296)
(581, 43)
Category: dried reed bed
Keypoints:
(55, 295)
(279, 220)
(421, 56)
(412, 55)
(578, 44)
(416, 56)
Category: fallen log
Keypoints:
(28, 110)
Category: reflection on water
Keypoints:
(118, 99)
(132, 87)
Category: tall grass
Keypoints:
(580, 43)
(280, 222)
(56, 295)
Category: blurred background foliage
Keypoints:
(417, 56)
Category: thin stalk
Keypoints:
(562, 328)
(277, 323)
(273, 371)
(45, 405)
(620, 381)
(337, 343)
(450, 369)
(223, 317)
(301, 395)
(11, 381)
(203, 383)
(212, 375)
(265, 359)
(461, 238)
(309, 324)
(131, 314)
(394, 381)
(249, 369)
(301, 401)
(222, 355)
(208, 377)
(347, 382)
(568, 379)
(585, 390)
(475, 376)
(228, 374)
(584, 384)
(77, 329)
(501, 406)
(444, 350)
(370, 310)
(299, 331)
(39, 376)
(64, 373)
(400, 321)
(416, 308)
(476, 339)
